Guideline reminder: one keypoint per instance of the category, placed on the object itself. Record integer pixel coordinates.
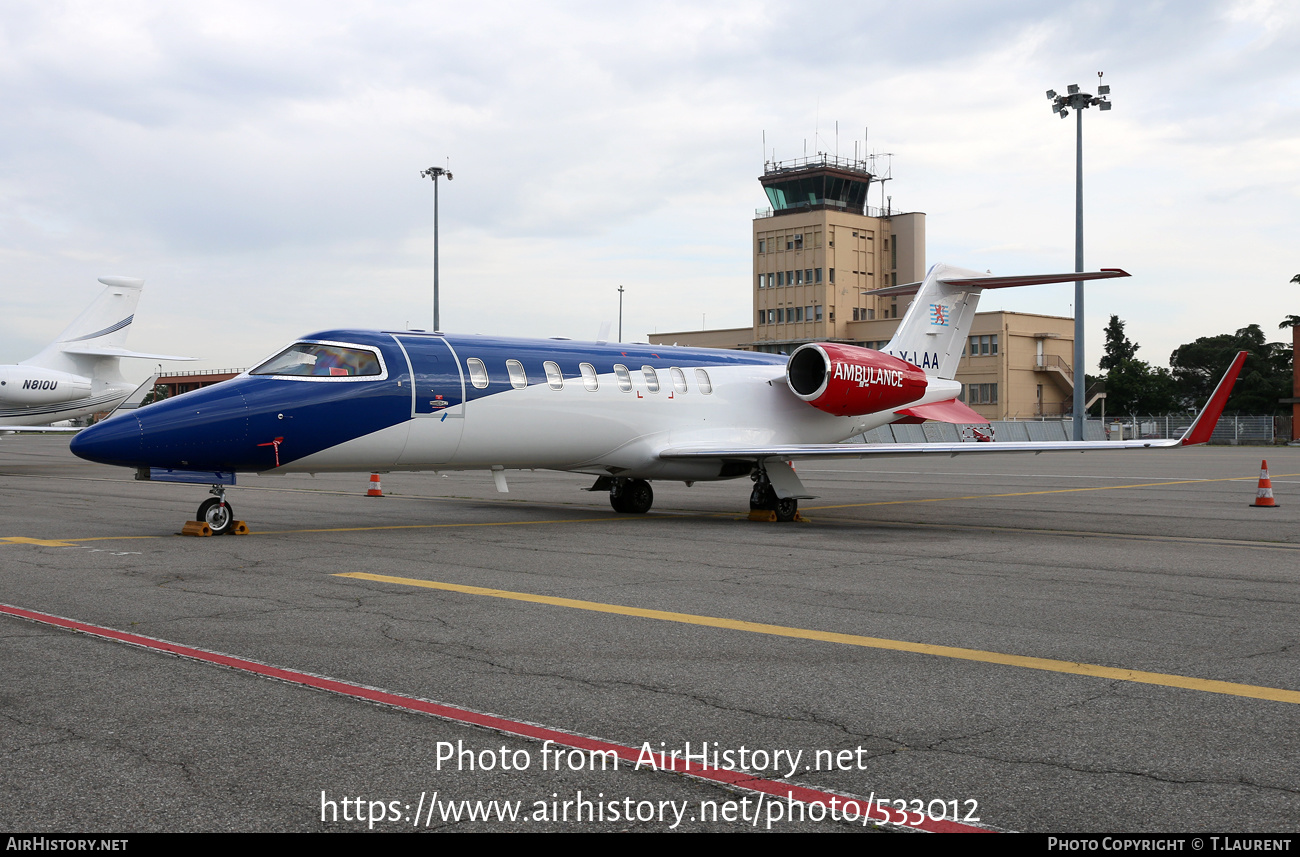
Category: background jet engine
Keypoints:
(849, 381)
(33, 385)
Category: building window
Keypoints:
(819, 313)
(589, 379)
(624, 377)
(554, 376)
(780, 278)
(780, 316)
(760, 245)
(477, 372)
(830, 272)
(983, 394)
(798, 313)
(518, 377)
(762, 317)
(789, 278)
(808, 276)
(798, 242)
(818, 272)
(798, 278)
(984, 346)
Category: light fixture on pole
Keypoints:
(1061, 105)
(434, 173)
(620, 313)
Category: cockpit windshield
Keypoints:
(319, 360)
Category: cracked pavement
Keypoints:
(102, 736)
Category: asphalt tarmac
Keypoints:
(1104, 642)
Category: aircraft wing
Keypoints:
(40, 429)
(1199, 432)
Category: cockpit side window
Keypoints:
(319, 360)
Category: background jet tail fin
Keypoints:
(933, 331)
(103, 324)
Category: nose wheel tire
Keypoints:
(218, 515)
(786, 509)
(635, 497)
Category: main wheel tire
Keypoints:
(618, 501)
(637, 497)
(218, 515)
(787, 509)
(762, 498)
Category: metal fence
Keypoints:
(1231, 430)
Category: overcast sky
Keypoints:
(258, 163)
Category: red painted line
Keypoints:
(662, 762)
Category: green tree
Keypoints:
(1266, 377)
(1133, 386)
(1118, 348)
(1291, 320)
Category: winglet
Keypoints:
(1208, 418)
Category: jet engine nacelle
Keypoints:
(847, 381)
(32, 385)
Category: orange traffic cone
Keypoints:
(376, 490)
(1264, 497)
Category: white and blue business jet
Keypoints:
(378, 401)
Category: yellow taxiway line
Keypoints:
(1047, 664)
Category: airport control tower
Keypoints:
(819, 246)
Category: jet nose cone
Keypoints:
(114, 441)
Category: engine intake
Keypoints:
(848, 381)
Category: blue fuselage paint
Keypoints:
(425, 410)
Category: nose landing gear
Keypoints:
(218, 514)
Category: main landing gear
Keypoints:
(216, 512)
(763, 498)
(631, 496)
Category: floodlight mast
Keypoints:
(434, 173)
(1061, 105)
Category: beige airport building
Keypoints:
(819, 249)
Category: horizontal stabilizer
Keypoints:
(1005, 282)
(118, 351)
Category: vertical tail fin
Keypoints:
(933, 331)
(103, 324)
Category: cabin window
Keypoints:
(651, 378)
(624, 377)
(518, 377)
(702, 381)
(318, 360)
(589, 376)
(679, 379)
(477, 372)
(554, 376)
